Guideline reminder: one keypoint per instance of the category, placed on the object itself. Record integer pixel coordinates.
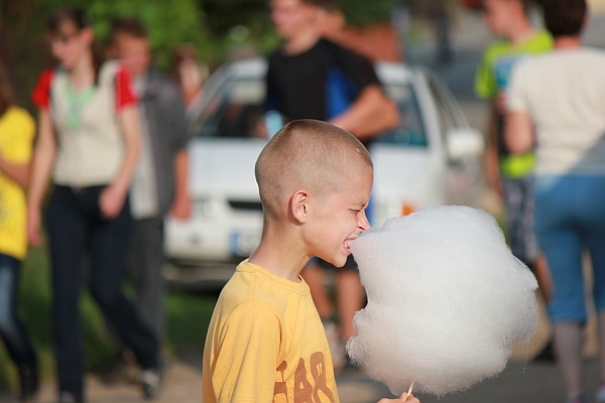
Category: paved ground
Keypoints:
(521, 382)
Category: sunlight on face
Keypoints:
(291, 16)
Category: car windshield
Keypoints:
(236, 110)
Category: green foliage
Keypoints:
(362, 12)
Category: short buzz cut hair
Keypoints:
(308, 154)
(564, 17)
(130, 26)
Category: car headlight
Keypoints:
(207, 207)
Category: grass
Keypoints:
(188, 316)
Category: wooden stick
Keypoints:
(410, 389)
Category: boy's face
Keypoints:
(338, 218)
(498, 15)
(133, 53)
(291, 17)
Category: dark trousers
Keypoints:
(75, 226)
(145, 271)
(12, 330)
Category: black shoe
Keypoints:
(28, 376)
(547, 355)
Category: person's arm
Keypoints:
(370, 114)
(113, 196)
(181, 207)
(518, 132)
(492, 165)
(519, 128)
(16, 172)
(42, 164)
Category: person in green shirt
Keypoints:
(510, 175)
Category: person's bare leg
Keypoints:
(568, 345)
(315, 277)
(350, 295)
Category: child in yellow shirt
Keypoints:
(266, 342)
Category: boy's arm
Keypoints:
(244, 357)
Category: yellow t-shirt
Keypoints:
(16, 135)
(266, 343)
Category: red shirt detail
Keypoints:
(41, 92)
(125, 93)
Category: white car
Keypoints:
(431, 158)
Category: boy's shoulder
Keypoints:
(253, 283)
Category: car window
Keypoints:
(235, 110)
(410, 132)
(449, 118)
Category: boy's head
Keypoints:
(316, 177)
(501, 15)
(565, 17)
(130, 42)
(293, 17)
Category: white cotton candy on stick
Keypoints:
(446, 300)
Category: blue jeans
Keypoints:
(570, 217)
(12, 330)
(75, 227)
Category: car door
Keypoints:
(464, 174)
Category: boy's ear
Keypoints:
(299, 206)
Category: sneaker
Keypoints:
(68, 397)
(152, 381)
(28, 376)
(600, 395)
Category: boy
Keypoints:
(266, 342)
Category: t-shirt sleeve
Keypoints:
(486, 86)
(246, 360)
(356, 67)
(41, 92)
(21, 131)
(125, 93)
(516, 96)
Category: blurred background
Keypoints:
(446, 36)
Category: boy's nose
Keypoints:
(363, 222)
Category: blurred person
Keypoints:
(352, 99)
(190, 74)
(17, 129)
(159, 185)
(510, 175)
(557, 103)
(88, 142)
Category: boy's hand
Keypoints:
(403, 398)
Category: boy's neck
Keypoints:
(567, 42)
(302, 42)
(280, 254)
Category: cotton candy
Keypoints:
(446, 300)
